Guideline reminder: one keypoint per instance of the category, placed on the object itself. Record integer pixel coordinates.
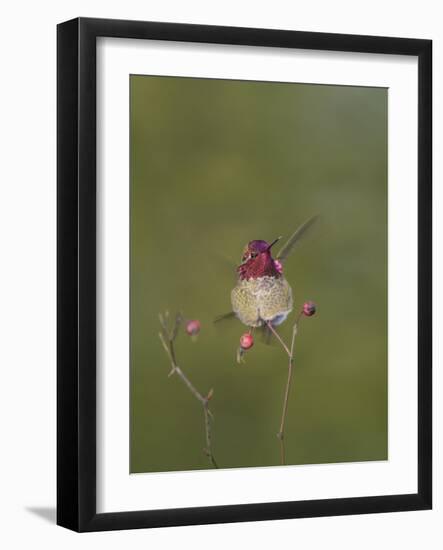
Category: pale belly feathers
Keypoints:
(260, 300)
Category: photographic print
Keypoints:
(258, 274)
(244, 230)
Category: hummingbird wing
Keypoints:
(300, 232)
(225, 317)
(224, 266)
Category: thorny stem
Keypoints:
(290, 353)
(168, 338)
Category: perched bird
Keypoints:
(262, 295)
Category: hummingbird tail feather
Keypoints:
(266, 336)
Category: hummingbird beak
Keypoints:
(273, 242)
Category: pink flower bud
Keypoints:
(246, 341)
(193, 327)
(309, 309)
(278, 266)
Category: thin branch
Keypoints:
(279, 338)
(290, 354)
(167, 338)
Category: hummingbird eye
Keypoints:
(248, 254)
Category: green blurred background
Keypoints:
(214, 164)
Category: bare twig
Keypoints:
(290, 354)
(167, 338)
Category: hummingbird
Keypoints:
(262, 295)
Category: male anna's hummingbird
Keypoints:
(262, 295)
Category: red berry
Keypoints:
(193, 327)
(246, 341)
(309, 309)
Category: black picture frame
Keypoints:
(76, 280)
